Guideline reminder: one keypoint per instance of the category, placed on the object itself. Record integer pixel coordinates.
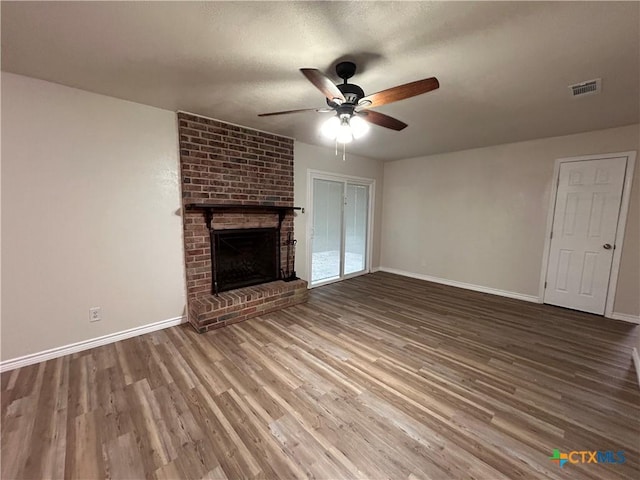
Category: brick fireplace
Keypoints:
(236, 182)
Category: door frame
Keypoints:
(622, 221)
(338, 177)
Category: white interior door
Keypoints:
(583, 235)
(339, 234)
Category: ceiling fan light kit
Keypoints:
(330, 128)
(345, 128)
(344, 132)
(358, 126)
(348, 100)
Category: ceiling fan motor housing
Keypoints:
(352, 94)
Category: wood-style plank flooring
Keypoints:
(376, 377)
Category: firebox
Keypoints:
(244, 257)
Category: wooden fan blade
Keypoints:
(289, 111)
(324, 84)
(400, 92)
(382, 120)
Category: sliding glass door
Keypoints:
(356, 225)
(339, 233)
(327, 230)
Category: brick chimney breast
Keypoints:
(226, 164)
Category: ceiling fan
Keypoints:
(352, 107)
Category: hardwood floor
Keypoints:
(376, 377)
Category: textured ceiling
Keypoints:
(503, 67)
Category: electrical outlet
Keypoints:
(95, 314)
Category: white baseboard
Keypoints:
(87, 344)
(626, 317)
(467, 286)
(375, 269)
(636, 363)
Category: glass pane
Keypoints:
(356, 210)
(327, 230)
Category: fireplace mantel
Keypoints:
(240, 207)
(210, 208)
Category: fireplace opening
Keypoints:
(244, 257)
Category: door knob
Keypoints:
(607, 246)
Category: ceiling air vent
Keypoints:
(591, 87)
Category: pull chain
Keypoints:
(344, 151)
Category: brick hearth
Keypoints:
(209, 311)
(226, 164)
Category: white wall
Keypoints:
(90, 196)
(479, 216)
(309, 157)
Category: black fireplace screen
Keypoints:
(244, 257)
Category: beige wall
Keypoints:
(90, 197)
(90, 203)
(479, 216)
(309, 157)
